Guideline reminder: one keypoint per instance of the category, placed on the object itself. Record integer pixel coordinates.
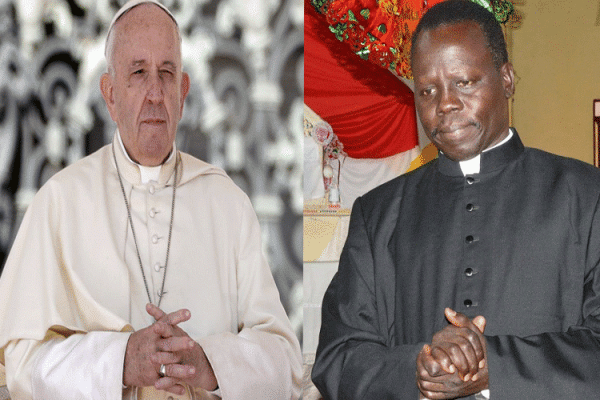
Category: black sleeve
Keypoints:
(554, 365)
(355, 357)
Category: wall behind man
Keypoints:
(556, 55)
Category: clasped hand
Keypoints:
(164, 342)
(455, 364)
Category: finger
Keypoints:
(473, 333)
(165, 358)
(426, 365)
(434, 364)
(163, 329)
(481, 373)
(443, 387)
(452, 359)
(174, 344)
(477, 376)
(431, 385)
(457, 319)
(460, 320)
(171, 385)
(438, 383)
(178, 389)
(177, 317)
(181, 372)
(426, 349)
(463, 357)
(480, 323)
(450, 347)
(154, 311)
(432, 393)
(439, 392)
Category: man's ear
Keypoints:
(107, 90)
(185, 89)
(508, 77)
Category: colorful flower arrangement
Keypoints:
(380, 30)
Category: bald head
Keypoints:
(115, 30)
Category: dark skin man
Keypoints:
(461, 97)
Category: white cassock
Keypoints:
(73, 273)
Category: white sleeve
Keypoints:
(82, 366)
(262, 360)
(253, 364)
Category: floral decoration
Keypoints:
(322, 133)
(380, 31)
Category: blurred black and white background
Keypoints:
(243, 113)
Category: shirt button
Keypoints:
(157, 267)
(469, 272)
(152, 213)
(470, 207)
(468, 303)
(469, 239)
(154, 239)
(151, 189)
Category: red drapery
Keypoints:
(370, 110)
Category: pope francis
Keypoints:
(137, 272)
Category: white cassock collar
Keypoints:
(147, 174)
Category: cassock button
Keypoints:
(151, 189)
(157, 267)
(469, 272)
(470, 180)
(468, 303)
(470, 207)
(469, 239)
(152, 213)
(154, 239)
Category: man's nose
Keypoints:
(448, 101)
(155, 92)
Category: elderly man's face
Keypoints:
(460, 95)
(146, 94)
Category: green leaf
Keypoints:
(351, 16)
(363, 53)
(338, 30)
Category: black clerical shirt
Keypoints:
(518, 243)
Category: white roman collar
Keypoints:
(473, 166)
